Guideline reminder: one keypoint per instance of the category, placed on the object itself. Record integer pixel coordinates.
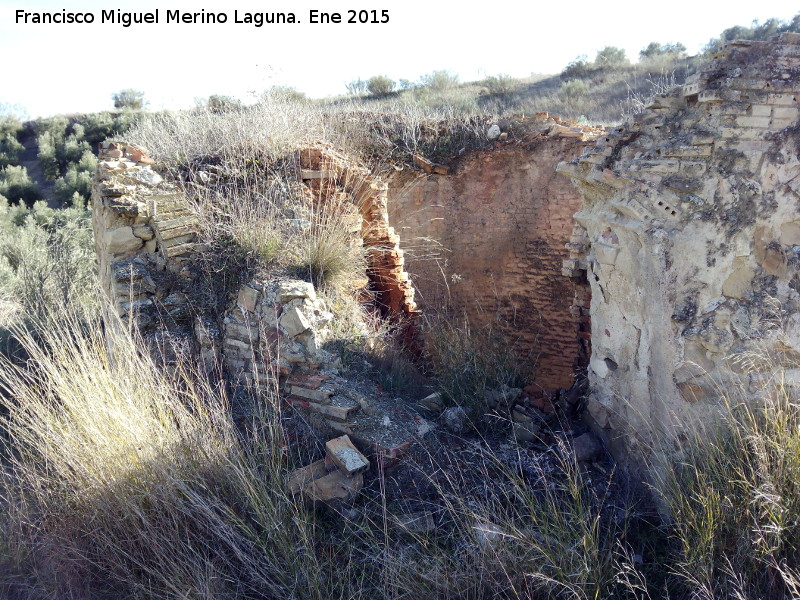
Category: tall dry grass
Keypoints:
(734, 499)
(122, 482)
(278, 124)
(470, 359)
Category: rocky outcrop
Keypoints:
(691, 214)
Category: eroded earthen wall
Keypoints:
(692, 213)
(489, 239)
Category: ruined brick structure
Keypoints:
(692, 214)
(488, 240)
(327, 173)
(271, 335)
(145, 237)
(683, 253)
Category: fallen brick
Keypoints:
(319, 396)
(345, 455)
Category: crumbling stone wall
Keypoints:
(145, 233)
(489, 239)
(691, 213)
(146, 237)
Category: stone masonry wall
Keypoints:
(146, 236)
(489, 240)
(692, 213)
(144, 233)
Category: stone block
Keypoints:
(757, 122)
(294, 322)
(586, 447)
(738, 283)
(692, 392)
(315, 395)
(787, 112)
(300, 478)
(290, 290)
(334, 488)
(760, 110)
(144, 232)
(248, 298)
(790, 233)
(782, 99)
(121, 240)
(526, 432)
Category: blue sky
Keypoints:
(49, 69)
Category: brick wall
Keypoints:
(489, 240)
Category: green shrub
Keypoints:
(439, 80)
(217, 103)
(17, 186)
(76, 181)
(46, 259)
(756, 31)
(285, 93)
(580, 67)
(573, 90)
(103, 125)
(58, 149)
(380, 85)
(72, 149)
(654, 49)
(10, 146)
(129, 98)
(47, 155)
(500, 84)
(610, 57)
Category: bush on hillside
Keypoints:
(756, 31)
(654, 49)
(439, 80)
(610, 57)
(46, 260)
(380, 85)
(75, 186)
(285, 93)
(129, 98)
(17, 186)
(10, 146)
(580, 67)
(100, 126)
(500, 85)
